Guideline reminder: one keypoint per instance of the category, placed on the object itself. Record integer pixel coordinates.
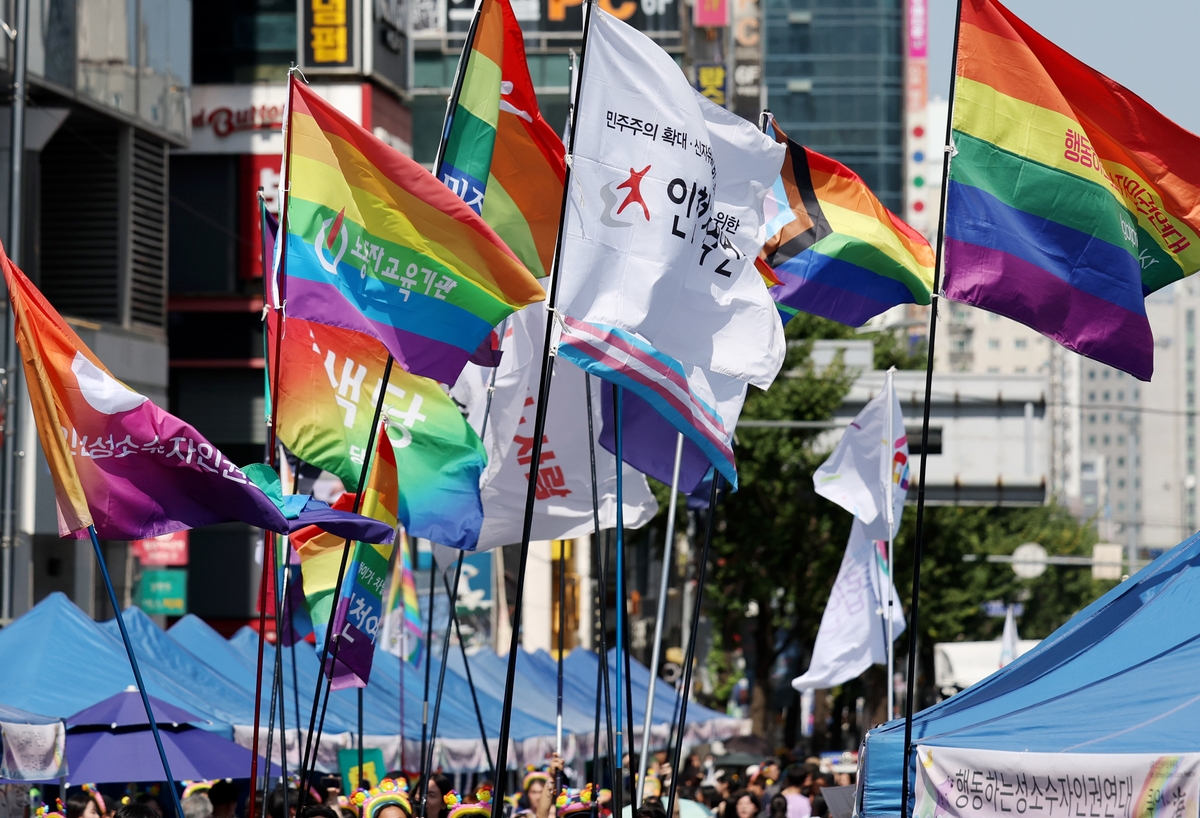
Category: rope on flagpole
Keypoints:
(137, 672)
(919, 540)
(689, 658)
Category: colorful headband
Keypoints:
(480, 809)
(91, 790)
(535, 774)
(652, 786)
(190, 788)
(390, 792)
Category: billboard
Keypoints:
(565, 17)
(328, 36)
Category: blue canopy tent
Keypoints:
(56, 660)
(1125, 656)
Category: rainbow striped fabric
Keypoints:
(1070, 199)
(403, 617)
(376, 244)
(501, 157)
(835, 250)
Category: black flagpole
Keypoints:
(462, 646)
(427, 763)
(919, 540)
(601, 567)
(676, 772)
(428, 656)
(539, 430)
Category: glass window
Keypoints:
(1021, 343)
(108, 52)
(993, 343)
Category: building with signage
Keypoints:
(107, 98)
(834, 79)
(353, 53)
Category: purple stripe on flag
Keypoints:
(355, 650)
(1002, 283)
(650, 442)
(324, 304)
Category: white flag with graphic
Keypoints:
(853, 631)
(868, 459)
(1009, 638)
(563, 508)
(664, 216)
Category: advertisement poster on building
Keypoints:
(328, 36)
(916, 98)
(712, 81)
(385, 50)
(164, 550)
(746, 32)
(163, 591)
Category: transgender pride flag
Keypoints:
(702, 405)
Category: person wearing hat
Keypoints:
(388, 800)
(481, 807)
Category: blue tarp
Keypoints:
(1113, 679)
(56, 661)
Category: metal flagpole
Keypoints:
(886, 472)
(539, 430)
(428, 659)
(601, 567)
(618, 434)
(658, 621)
(919, 541)
(462, 646)
(137, 672)
(689, 657)
(427, 763)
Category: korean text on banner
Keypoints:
(957, 782)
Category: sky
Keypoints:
(1149, 46)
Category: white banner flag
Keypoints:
(664, 216)
(958, 783)
(853, 632)
(563, 508)
(33, 752)
(867, 459)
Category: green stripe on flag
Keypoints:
(480, 92)
(506, 218)
(469, 148)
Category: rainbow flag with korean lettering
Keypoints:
(501, 157)
(376, 244)
(1070, 199)
(359, 611)
(834, 250)
(329, 380)
(403, 618)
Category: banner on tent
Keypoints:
(33, 752)
(959, 782)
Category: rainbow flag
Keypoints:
(329, 382)
(403, 615)
(834, 249)
(501, 157)
(1070, 199)
(359, 610)
(376, 244)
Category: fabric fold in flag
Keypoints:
(702, 405)
(359, 607)
(501, 156)
(118, 461)
(832, 246)
(1070, 199)
(329, 382)
(377, 245)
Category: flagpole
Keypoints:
(424, 782)
(471, 683)
(664, 581)
(618, 434)
(137, 672)
(427, 763)
(919, 540)
(310, 759)
(601, 567)
(689, 657)
(539, 430)
(888, 446)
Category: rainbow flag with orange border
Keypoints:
(834, 249)
(376, 244)
(1070, 199)
(501, 157)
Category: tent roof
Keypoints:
(1122, 656)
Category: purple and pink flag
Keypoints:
(126, 466)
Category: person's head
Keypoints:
(770, 768)
(151, 802)
(843, 779)
(709, 796)
(294, 804)
(197, 806)
(778, 807)
(320, 811)
(745, 805)
(389, 800)
(439, 787)
(223, 795)
(83, 804)
(798, 776)
(534, 782)
(651, 808)
(137, 809)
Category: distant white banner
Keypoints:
(959, 782)
(33, 752)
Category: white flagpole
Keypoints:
(889, 444)
(658, 621)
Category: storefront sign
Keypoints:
(163, 591)
(710, 13)
(747, 59)
(328, 35)
(958, 783)
(712, 80)
(249, 118)
(166, 549)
